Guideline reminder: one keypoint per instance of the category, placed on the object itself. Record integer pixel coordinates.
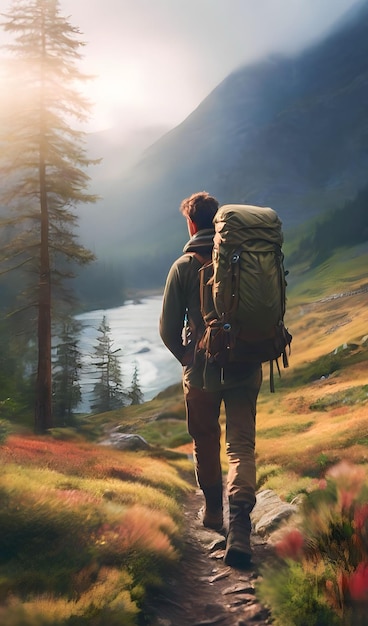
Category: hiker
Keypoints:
(206, 385)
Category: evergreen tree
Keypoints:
(135, 393)
(42, 161)
(108, 392)
(67, 367)
(15, 389)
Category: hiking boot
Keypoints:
(212, 512)
(212, 519)
(238, 551)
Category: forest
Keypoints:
(344, 227)
(43, 165)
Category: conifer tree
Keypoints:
(108, 391)
(14, 386)
(67, 369)
(42, 165)
(135, 393)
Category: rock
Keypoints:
(253, 614)
(266, 501)
(272, 521)
(125, 441)
(270, 513)
(212, 620)
(298, 499)
(219, 576)
(239, 588)
(345, 347)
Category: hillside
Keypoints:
(95, 533)
(286, 132)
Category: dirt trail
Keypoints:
(204, 591)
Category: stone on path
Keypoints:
(271, 513)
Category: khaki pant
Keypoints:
(203, 411)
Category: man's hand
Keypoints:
(188, 355)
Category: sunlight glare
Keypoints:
(115, 95)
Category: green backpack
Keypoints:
(243, 289)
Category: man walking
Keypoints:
(206, 386)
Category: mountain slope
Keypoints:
(287, 132)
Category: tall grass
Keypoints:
(321, 575)
(86, 532)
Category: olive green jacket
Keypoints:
(182, 298)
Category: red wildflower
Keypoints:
(346, 499)
(361, 517)
(291, 546)
(358, 583)
(349, 479)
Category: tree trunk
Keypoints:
(43, 411)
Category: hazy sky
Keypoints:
(156, 60)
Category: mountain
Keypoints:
(121, 149)
(291, 133)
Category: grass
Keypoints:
(87, 531)
(320, 574)
(340, 273)
(167, 432)
(353, 395)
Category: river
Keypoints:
(134, 332)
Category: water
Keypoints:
(134, 332)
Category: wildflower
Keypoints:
(346, 499)
(335, 591)
(361, 517)
(349, 479)
(358, 583)
(342, 583)
(291, 546)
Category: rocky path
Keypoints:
(204, 591)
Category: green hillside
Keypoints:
(318, 239)
(89, 533)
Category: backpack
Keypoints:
(242, 289)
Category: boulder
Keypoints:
(271, 513)
(125, 441)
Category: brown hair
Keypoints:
(200, 208)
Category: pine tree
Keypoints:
(42, 163)
(108, 391)
(67, 369)
(135, 393)
(15, 390)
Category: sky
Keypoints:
(154, 61)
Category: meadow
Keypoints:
(88, 531)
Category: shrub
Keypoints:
(108, 601)
(4, 430)
(86, 532)
(320, 576)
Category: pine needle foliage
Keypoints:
(135, 393)
(66, 374)
(43, 162)
(108, 390)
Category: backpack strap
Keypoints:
(205, 261)
(272, 380)
(201, 259)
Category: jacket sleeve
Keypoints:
(173, 312)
